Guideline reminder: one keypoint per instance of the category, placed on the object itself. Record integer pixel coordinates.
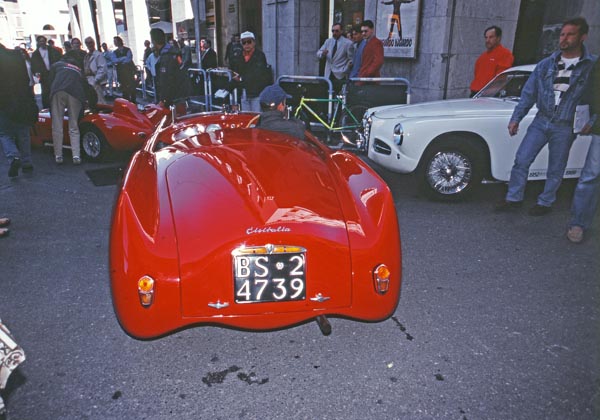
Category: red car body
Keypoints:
(119, 127)
(249, 228)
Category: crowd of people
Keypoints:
(74, 78)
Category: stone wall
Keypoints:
(291, 35)
(450, 40)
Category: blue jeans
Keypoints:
(250, 104)
(15, 139)
(559, 138)
(585, 199)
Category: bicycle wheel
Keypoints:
(351, 121)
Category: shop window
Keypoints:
(348, 13)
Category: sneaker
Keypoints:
(76, 160)
(27, 168)
(13, 171)
(58, 160)
(575, 234)
(538, 210)
(506, 206)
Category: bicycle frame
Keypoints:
(331, 124)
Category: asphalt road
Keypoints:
(499, 319)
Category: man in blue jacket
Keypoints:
(556, 86)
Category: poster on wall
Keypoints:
(398, 26)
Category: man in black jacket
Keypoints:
(170, 81)
(41, 61)
(18, 111)
(274, 113)
(251, 73)
(209, 56)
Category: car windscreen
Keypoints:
(505, 86)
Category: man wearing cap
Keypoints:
(274, 113)
(251, 73)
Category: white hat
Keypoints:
(247, 34)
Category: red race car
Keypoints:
(249, 228)
(118, 127)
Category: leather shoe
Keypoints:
(575, 234)
(506, 206)
(13, 171)
(538, 210)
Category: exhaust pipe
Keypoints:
(323, 324)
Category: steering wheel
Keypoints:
(252, 121)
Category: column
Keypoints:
(138, 28)
(107, 28)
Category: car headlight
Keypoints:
(398, 134)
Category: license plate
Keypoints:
(270, 273)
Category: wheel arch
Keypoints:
(468, 137)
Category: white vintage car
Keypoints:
(454, 145)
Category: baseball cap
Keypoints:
(247, 34)
(273, 95)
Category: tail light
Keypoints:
(146, 290)
(381, 279)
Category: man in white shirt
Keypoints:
(337, 52)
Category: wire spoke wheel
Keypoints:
(449, 172)
(451, 168)
(93, 143)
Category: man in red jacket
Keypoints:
(494, 60)
(372, 56)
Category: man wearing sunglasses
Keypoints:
(337, 52)
(251, 73)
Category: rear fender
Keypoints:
(143, 243)
(373, 231)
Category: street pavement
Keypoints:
(499, 319)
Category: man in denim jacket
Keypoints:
(556, 86)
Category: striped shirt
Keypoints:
(563, 77)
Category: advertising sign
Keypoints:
(398, 27)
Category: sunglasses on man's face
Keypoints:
(247, 41)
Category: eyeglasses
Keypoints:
(335, 30)
(364, 31)
(247, 41)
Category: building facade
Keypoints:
(432, 43)
(441, 38)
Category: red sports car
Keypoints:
(249, 228)
(118, 127)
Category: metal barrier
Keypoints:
(384, 80)
(199, 76)
(141, 85)
(221, 72)
(314, 80)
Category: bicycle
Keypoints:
(343, 119)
